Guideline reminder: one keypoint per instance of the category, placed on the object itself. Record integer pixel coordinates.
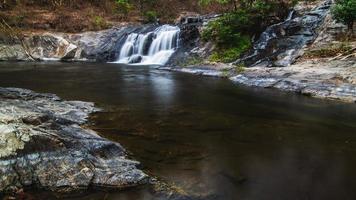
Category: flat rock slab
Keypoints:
(318, 78)
(43, 145)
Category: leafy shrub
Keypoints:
(232, 32)
(229, 55)
(345, 12)
(123, 7)
(229, 35)
(226, 31)
(150, 16)
(99, 22)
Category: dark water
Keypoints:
(210, 136)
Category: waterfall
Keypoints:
(152, 48)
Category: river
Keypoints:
(209, 136)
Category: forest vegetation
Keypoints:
(83, 15)
(241, 21)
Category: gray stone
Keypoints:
(43, 145)
(281, 44)
(135, 59)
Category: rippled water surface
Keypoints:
(209, 136)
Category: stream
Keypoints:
(208, 136)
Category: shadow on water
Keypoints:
(209, 136)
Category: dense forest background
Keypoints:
(232, 33)
(84, 15)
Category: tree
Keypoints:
(345, 12)
(15, 34)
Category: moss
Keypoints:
(225, 72)
(240, 68)
(99, 22)
(192, 61)
(231, 54)
(150, 16)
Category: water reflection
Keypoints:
(163, 88)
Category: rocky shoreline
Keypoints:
(44, 145)
(334, 80)
(322, 77)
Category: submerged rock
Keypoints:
(43, 145)
(135, 59)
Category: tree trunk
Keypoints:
(350, 29)
(234, 4)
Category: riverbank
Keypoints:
(320, 78)
(288, 56)
(47, 146)
(324, 68)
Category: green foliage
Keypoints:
(123, 6)
(232, 32)
(345, 11)
(226, 31)
(229, 55)
(229, 33)
(240, 68)
(98, 23)
(150, 16)
(241, 44)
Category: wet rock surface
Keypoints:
(281, 44)
(43, 145)
(317, 78)
(99, 46)
(271, 65)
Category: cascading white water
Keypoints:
(152, 48)
(128, 47)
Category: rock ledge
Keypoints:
(42, 145)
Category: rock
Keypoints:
(147, 43)
(104, 46)
(135, 59)
(319, 78)
(100, 46)
(189, 18)
(12, 53)
(50, 46)
(43, 145)
(281, 44)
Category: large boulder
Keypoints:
(43, 145)
(51, 46)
